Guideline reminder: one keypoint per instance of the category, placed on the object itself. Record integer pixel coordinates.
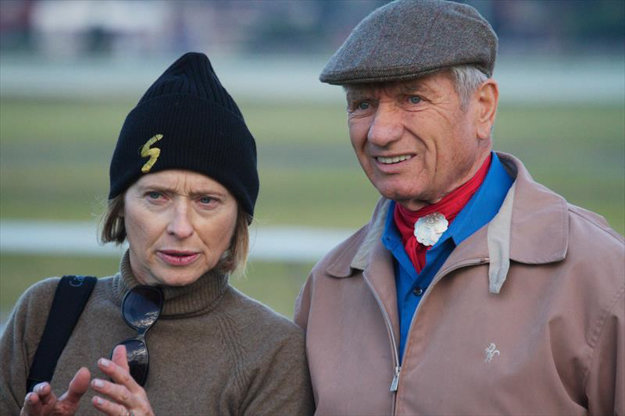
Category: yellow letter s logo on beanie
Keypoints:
(152, 153)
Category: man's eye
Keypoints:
(363, 105)
(206, 200)
(414, 99)
(154, 195)
(357, 106)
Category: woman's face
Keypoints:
(178, 225)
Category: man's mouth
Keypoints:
(393, 159)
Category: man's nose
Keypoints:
(386, 126)
(180, 224)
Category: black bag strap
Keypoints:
(69, 300)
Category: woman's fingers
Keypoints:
(120, 358)
(39, 401)
(123, 393)
(123, 389)
(32, 405)
(116, 392)
(108, 407)
(68, 403)
(44, 393)
(117, 373)
(77, 387)
(42, 401)
(119, 401)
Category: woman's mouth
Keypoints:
(176, 257)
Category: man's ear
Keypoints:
(487, 97)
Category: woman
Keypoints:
(183, 184)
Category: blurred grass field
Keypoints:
(54, 158)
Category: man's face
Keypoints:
(413, 140)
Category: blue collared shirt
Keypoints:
(480, 209)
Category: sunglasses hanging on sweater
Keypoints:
(141, 308)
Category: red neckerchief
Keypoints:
(449, 206)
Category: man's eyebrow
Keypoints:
(414, 86)
(407, 87)
(357, 93)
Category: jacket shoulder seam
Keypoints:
(605, 228)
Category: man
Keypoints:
(473, 290)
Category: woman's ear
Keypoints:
(487, 96)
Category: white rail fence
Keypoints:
(298, 244)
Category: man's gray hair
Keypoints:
(467, 78)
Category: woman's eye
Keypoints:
(205, 200)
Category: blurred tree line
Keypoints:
(282, 26)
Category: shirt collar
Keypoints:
(483, 206)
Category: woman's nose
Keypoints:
(180, 224)
(386, 126)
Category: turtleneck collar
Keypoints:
(197, 298)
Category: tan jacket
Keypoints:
(526, 316)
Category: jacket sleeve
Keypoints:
(19, 341)
(605, 382)
(302, 304)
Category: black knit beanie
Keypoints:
(187, 120)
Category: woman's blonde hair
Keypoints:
(234, 258)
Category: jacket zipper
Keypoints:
(395, 380)
(391, 337)
(437, 278)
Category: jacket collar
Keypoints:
(531, 228)
(355, 253)
(539, 228)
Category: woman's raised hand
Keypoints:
(43, 402)
(125, 396)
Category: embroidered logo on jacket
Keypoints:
(490, 352)
(152, 153)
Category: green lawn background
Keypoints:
(54, 158)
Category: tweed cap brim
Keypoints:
(407, 39)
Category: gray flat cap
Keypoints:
(409, 38)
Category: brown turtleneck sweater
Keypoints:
(214, 351)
